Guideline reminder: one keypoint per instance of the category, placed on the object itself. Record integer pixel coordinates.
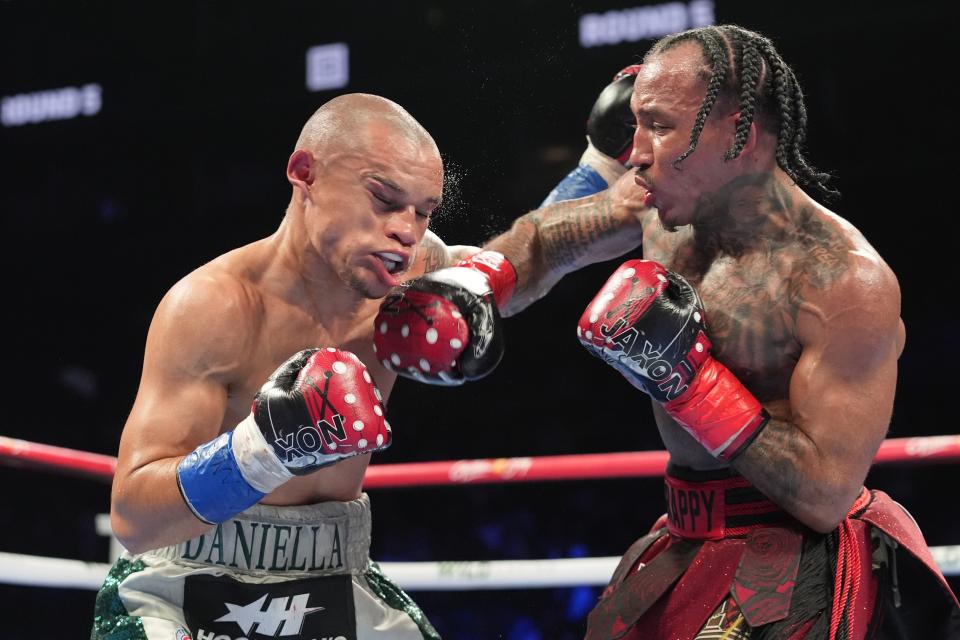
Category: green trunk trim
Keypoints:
(110, 618)
(394, 596)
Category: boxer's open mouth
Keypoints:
(394, 262)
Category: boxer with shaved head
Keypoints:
(238, 485)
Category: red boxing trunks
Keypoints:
(723, 551)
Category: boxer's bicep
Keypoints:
(192, 346)
(842, 390)
(814, 454)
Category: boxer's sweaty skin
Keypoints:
(798, 305)
(276, 327)
(365, 179)
(766, 281)
(787, 285)
(233, 328)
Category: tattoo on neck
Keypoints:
(750, 210)
(755, 213)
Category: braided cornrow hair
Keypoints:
(746, 66)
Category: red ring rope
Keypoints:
(633, 464)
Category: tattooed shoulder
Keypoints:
(823, 252)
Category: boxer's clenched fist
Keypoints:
(317, 408)
(320, 407)
(611, 124)
(610, 129)
(648, 323)
(444, 328)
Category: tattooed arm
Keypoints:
(433, 254)
(813, 457)
(546, 244)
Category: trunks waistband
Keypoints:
(716, 504)
(317, 539)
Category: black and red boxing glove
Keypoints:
(610, 129)
(648, 323)
(611, 123)
(443, 328)
(318, 408)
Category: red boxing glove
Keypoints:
(443, 328)
(501, 275)
(318, 408)
(648, 323)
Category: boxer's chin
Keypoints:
(671, 219)
(370, 290)
(364, 284)
(665, 225)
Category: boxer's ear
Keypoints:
(751, 142)
(300, 170)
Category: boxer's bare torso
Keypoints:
(762, 279)
(269, 323)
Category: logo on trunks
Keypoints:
(692, 510)
(226, 607)
(267, 620)
(305, 442)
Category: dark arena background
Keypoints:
(140, 140)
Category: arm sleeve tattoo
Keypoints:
(546, 244)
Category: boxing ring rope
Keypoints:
(591, 466)
(468, 575)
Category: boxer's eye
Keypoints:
(386, 202)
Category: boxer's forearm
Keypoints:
(148, 511)
(786, 466)
(546, 244)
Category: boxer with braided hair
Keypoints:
(745, 64)
(766, 330)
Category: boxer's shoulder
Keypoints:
(207, 321)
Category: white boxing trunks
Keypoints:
(284, 572)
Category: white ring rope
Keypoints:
(36, 571)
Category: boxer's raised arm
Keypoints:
(581, 221)
(546, 244)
